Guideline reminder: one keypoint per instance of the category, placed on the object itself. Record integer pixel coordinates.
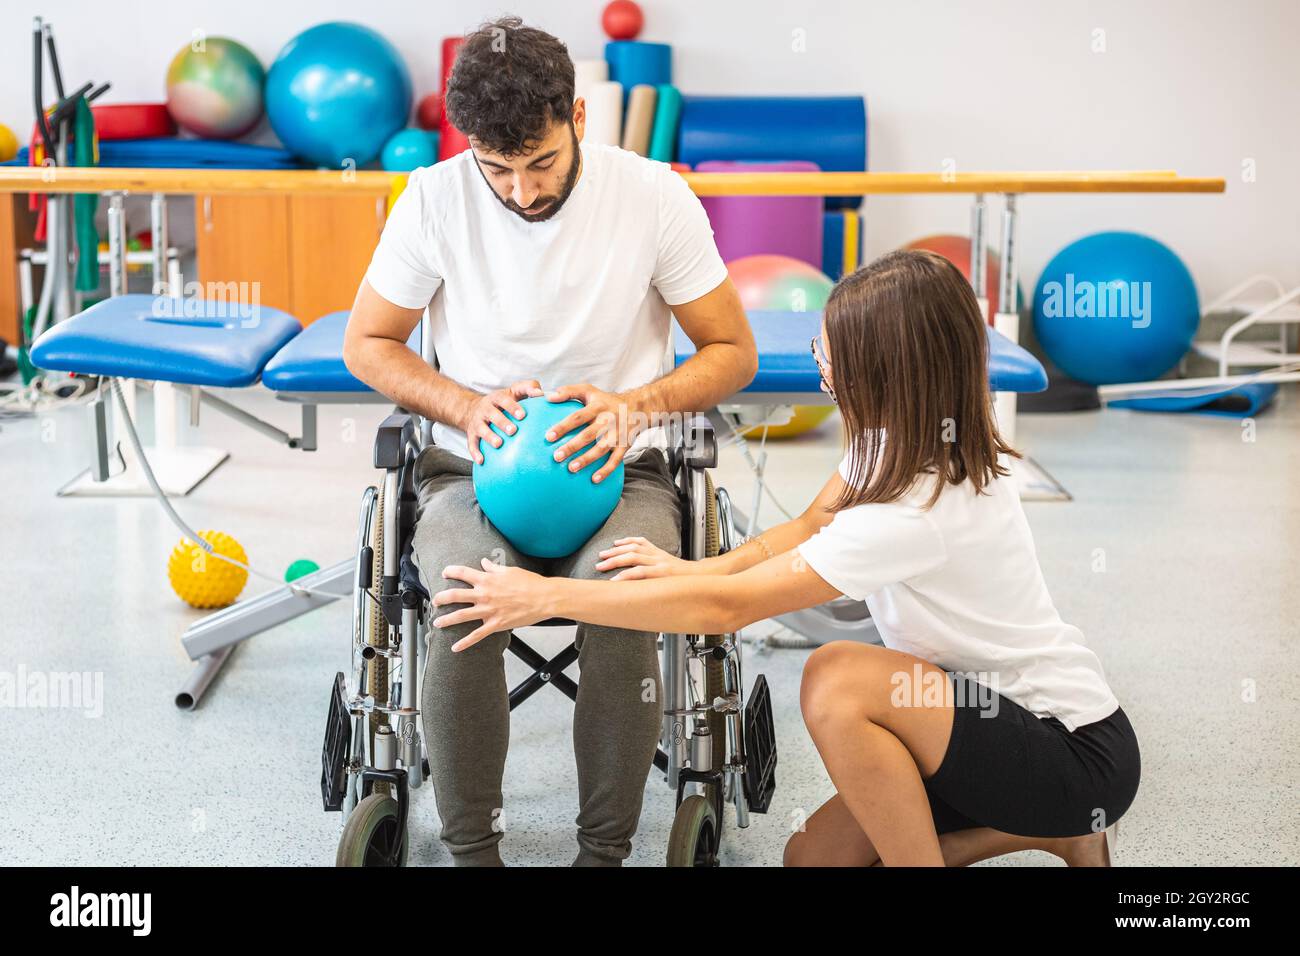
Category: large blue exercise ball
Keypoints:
(541, 507)
(336, 93)
(1116, 307)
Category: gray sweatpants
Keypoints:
(619, 710)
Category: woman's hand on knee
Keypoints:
(501, 598)
(638, 559)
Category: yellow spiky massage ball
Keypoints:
(202, 580)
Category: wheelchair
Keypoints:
(716, 745)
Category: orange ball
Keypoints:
(622, 20)
(956, 249)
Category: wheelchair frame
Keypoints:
(714, 746)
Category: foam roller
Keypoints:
(668, 114)
(634, 63)
(830, 131)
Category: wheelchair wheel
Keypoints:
(714, 685)
(377, 630)
(693, 840)
(370, 833)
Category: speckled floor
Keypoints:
(1177, 557)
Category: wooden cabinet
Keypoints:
(332, 240)
(308, 254)
(242, 245)
(17, 225)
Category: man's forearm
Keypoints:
(399, 374)
(715, 372)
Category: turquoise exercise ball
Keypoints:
(409, 149)
(1116, 307)
(541, 507)
(336, 93)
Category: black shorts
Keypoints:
(1014, 772)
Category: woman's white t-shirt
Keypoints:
(582, 297)
(959, 585)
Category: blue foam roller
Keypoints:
(830, 131)
(633, 63)
(833, 244)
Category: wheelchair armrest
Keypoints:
(395, 433)
(699, 444)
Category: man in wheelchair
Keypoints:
(543, 261)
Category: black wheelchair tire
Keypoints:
(369, 833)
(694, 834)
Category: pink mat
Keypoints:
(751, 225)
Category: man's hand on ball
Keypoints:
(605, 425)
(487, 410)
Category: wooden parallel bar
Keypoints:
(297, 182)
(853, 184)
(334, 182)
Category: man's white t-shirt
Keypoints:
(959, 585)
(583, 297)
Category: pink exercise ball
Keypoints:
(779, 283)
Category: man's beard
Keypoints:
(550, 205)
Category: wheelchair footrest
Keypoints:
(338, 744)
(760, 747)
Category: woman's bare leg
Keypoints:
(964, 847)
(832, 837)
(877, 752)
(876, 748)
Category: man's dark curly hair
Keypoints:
(510, 84)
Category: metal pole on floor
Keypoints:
(979, 252)
(210, 640)
(1007, 319)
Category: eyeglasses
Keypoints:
(823, 363)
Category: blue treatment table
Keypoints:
(787, 373)
(184, 341)
(211, 344)
(202, 345)
(310, 368)
(198, 345)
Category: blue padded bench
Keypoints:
(312, 364)
(131, 336)
(222, 347)
(787, 372)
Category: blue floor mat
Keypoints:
(1243, 401)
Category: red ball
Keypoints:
(622, 20)
(429, 113)
(956, 249)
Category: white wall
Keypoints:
(1201, 86)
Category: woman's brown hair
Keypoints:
(909, 365)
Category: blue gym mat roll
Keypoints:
(175, 153)
(830, 131)
(637, 63)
